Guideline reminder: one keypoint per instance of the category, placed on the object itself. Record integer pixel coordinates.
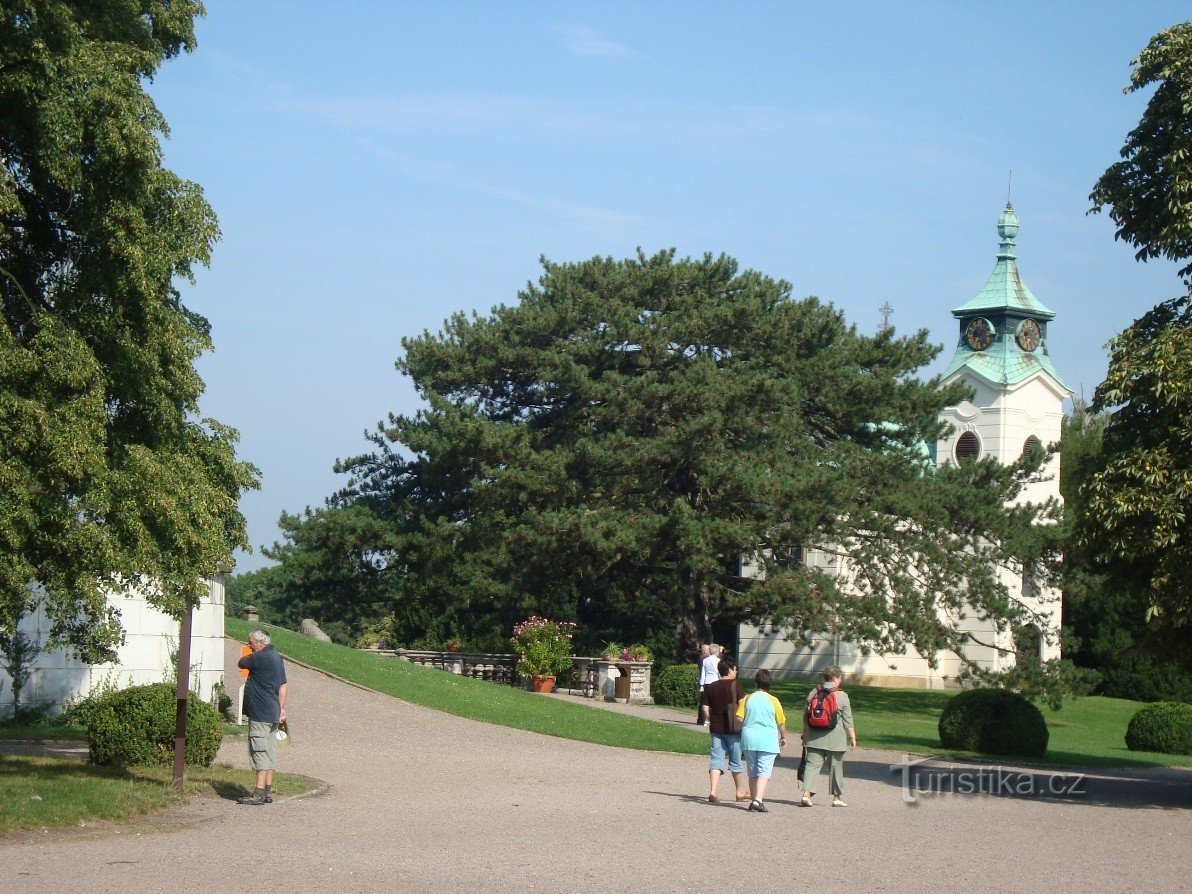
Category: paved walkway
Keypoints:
(420, 801)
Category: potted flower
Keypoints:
(544, 650)
(635, 652)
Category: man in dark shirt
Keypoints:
(265, 704)
(719, 698)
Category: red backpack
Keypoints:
(822, 712)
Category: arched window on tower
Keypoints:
(968, 446)
(1030, 445)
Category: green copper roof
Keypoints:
(1003, 362)
(1005, 301)
(1005, 290)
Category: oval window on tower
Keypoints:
(1031, 444)
(968, 446)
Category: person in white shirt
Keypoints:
(709, 672)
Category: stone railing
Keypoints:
(496, 668)
(623, 681)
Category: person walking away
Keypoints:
(826, 739)
(265, 704)
(719, 703)
(763, 733)
(699, 666)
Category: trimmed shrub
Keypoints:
(677, 685)
(1165, 727)
(135, 727)
(993, 721)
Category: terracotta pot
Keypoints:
(543, 684)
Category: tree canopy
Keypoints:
(1141, 493)
(1149, 192)
(107, 476)
(607, 449)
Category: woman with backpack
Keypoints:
(828, 732)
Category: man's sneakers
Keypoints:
(257, 798)
(806, 801)
(758, 806)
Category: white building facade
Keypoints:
(1001, 354)
(150, 641)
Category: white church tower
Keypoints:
(1001, 354)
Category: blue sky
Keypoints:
(379, 166)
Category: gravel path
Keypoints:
(420, 801)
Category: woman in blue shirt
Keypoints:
(763, 734)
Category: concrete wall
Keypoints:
(150, 637)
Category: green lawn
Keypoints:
(1088, 732)
(52, 792)
(478, 700)
(1085, 732)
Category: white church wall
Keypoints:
(151, 636)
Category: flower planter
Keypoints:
(543, 684)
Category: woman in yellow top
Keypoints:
(763, 734)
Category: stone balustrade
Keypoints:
(625, 681)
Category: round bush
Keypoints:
(677, 685)
(993, 721)
(1165, 727)
(135, 727)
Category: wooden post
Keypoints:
(183, 690)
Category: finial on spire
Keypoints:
(1009, 185)
(886, 311)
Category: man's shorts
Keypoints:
(761, 763)
(726, 744)
(262, 745)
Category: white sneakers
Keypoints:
(836, 802)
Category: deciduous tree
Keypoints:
(1141, 495)
(107, 476)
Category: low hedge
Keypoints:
(135, 727)
(677, 685)
(993, 721)
(1165, 727)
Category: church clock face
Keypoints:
(1028, 335)
(979, 334)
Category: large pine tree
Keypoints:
(606, 449)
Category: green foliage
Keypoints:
(606, 448)
(1149, 192)
(1165, 727)
(135, 727)
(110, 475)
(335, 566)
(17, 653)
(78, 711)
(1140, 493)
(993, 721)
(676, 685)
(543, 646)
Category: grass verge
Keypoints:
(54, 792)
